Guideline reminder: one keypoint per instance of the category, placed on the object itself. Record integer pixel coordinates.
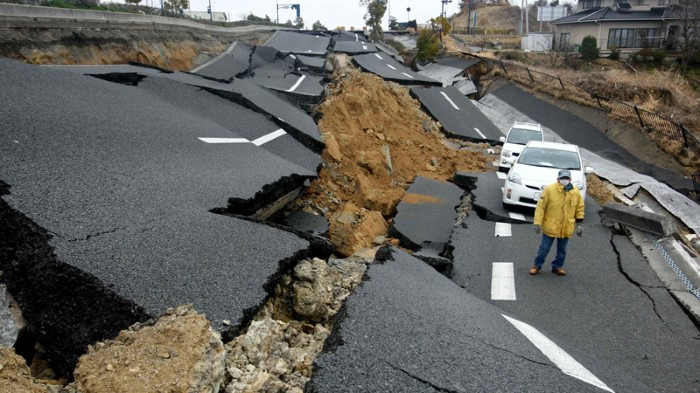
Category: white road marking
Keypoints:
(224, 140)
(449, 100)
(356, 38)
(516, 216)
(391, 66)
(501, 175)
(266, 138)
(378, 57)
(297, 84)
(494, 163)
(567, 364)
(479, 132)
(503, 229)
(292, 56)
(502, 281)
(364, 47)
(403, 73)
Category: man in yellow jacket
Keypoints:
(559, 210)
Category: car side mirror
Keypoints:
(502, 139)
(588, 170)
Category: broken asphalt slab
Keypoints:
(487, 198)
(408, 328)
(300, 43)
(235, 60)
(447, 69)
(276, 71)
(425, 218)
(119, 206)
(243, 122)
(354, 47)
(386, 67)
(457, 114)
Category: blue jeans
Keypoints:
(544, 250)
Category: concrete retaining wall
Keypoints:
(28, 16)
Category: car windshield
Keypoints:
(550, 158)
(521, 137)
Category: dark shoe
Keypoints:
(534, 270)
(559, 272)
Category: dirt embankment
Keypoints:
(178, 51)
(377, 141)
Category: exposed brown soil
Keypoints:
(378, 140)
(596, 187)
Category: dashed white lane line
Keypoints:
(294, 87)
(516, 216)
(391, 66)
(224, 140)
(292, 56)
(364, 47)
(479, 132)
(449, 100)
(567, 364)
(267, 138)
(503, 229)
(356, 38)
(407, 75)
(257, 142)
(378, 57)
(502, 281)
(501, 175)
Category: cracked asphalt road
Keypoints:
(611, 310)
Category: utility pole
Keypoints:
(278, 12)
(522, 2)
(211, 14)
(527, 19)
(469, 15)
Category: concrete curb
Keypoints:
(640, 219)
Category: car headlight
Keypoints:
(514, 178)
(506, 153)
(579, 184)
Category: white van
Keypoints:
(519, 135)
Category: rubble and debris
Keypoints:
(179, 352)
(277, 351)
(14, 374)
(377, 141)
(10, 319)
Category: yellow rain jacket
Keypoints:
(558, 210)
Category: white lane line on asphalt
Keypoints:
(567, 364)
(503, 229)
(356, 38)
(297, 84)
(502, 281)
(292, 56)
(266, 138)
(364, 47)
(405, 74)
(224, 140)
(449, 100)
(516, 216)
(501, 175)
(479, 132)
(378, 57)
(391, 66)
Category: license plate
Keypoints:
(537, 196)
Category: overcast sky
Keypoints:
(331, 13)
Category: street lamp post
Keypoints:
(443, 7)
(211, 14)
(408, 10)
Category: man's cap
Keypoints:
(564, 173)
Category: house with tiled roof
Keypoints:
(627, 25)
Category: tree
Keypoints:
(133, 1)
(373, 18)
(589, 48)
(442, 24)
(176, 5)
(318, 26)
(427, 44)
(254, 18)
(299, 23)
(393, 24)
(688, 12)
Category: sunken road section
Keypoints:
(107, 196)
